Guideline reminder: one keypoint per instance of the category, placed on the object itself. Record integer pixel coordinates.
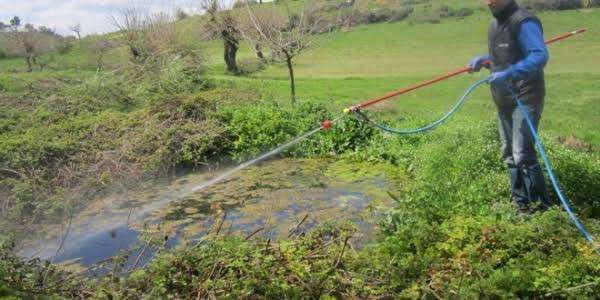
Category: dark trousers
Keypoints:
(518, 151)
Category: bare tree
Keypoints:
(76, 28)
(147, 35)
(132, 25)
(222, 25)
(155, 43)
(286, 34)
(29, 43)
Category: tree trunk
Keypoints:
(259, 52)
(99, 64)
(29, 66)
(288, 60)
(231, 49)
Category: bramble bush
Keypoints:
(454, 232)
(259, 127)
(557, 4)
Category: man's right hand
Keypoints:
(477, 62)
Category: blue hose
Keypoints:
(433, 125)
(564, 201)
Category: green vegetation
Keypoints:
(72, 131)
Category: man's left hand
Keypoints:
(499, 78)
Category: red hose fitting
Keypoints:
(326, 125)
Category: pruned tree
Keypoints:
(155, 45)
(76, 28)
(286, 34)
(147, 36)
(30, 42)
(131, 25)
(222, 25)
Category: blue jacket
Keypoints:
(531, 41)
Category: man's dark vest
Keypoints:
(504, 50)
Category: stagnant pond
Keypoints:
(273, 200)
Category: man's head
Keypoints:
(498, 6)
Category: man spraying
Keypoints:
(517, 55)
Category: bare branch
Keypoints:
(76, 28)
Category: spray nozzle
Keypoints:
(350, 109)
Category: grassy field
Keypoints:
(453, 220)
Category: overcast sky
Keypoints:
(94, 15)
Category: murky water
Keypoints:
(269, 200)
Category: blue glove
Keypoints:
(500, 78)
(476, 63)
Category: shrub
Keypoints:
(180, 76)
(464, 12)
(433, 18)
(378, 15)
(179, 131)
(64, 46)
(260, 127)
(490, 256)
(310, 265)
(455, 230)
(93, 94)
(250, 65)
(552, 4)
(579, 175)
(180, 14)
(350, 16)
(400, 14)
(23, 279)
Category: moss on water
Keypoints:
(358, 170)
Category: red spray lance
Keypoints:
(327, 124)
(445, 76)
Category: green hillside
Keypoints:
(72, 132)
